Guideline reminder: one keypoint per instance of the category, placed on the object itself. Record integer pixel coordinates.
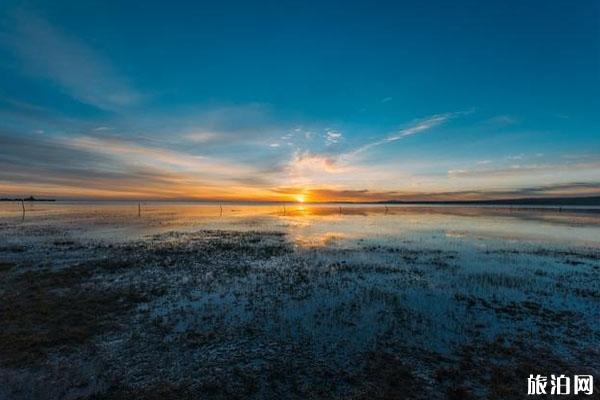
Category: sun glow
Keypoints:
(300, 198)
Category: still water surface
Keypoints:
(346, 282)
(317, 225)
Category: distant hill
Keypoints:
(30, 198)
(535, 201)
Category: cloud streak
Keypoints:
(527, 169)
(212, 156)
(418, 127)
(79, 70)
(110, 167)
(332, 137)
(366, 195)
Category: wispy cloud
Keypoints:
(98, 166)
(562, 189)
(319, 194)
(201, 137)
(128, 152)
(552, 170)
(79, 70)
(501, 120)
(332, 137)
(310, 167)
(418, 127)
(303, 163)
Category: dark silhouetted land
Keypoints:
(30, 198)
(526, 201)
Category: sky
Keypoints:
(299, 100)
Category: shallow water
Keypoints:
(319, 225)
(340, 282)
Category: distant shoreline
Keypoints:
(548, 201)
(545, 201)
(27, 199)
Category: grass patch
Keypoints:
(38, 320)
(45, 309)
(5, 267)
(493, 279)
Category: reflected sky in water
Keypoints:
(317, 225)
(430, 279)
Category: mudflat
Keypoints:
(198, 301)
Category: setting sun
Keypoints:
(300, 198)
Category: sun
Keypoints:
(300, 198)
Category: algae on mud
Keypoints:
(454, 303)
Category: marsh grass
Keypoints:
(217, 314)
(37, 316)
(496, 280)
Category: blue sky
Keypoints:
(276, 100)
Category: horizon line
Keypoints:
(539, 199)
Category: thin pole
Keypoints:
(340, 210)
(284, 209)
(221, 207)
(23, 207)
(139, 209)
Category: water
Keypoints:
(313, 225)
(329, 286)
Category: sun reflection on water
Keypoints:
(312, 224)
